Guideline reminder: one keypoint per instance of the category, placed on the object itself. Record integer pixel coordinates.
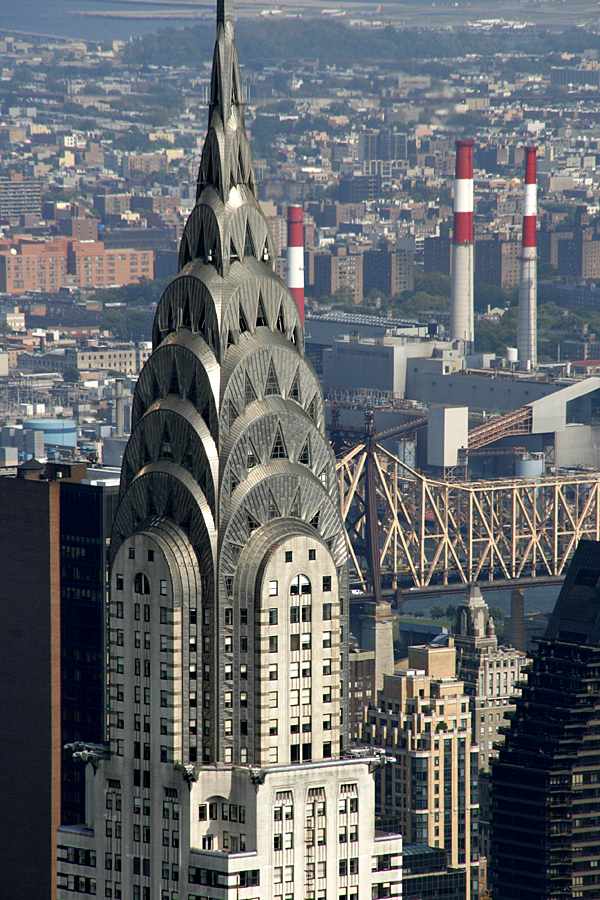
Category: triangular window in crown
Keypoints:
(200, 251)
(252, 458)
(249, 243)
(166, 450)
(315, 519)
(233, 413)
(206, 414)
(295, 507)
(242, 323)
(233, 482)
(216, 180)
(188, 459)
(312, 408)
(186, 319)
(253, 523)
(249, 392)
(152, 510)
(233, 254)
(272, 385)
(202, 320)
(211, 257)
(304, 455)
(187, 524)
(323, 477)
(208, 169)
(169, 508)
(278, 450)
(156, 393)
(230, 338)
(234, 89)
(295, 389)
(186, 256)
(261, 316)
(280, 322)
(265, 255)
(171, 320)
(192, 393)
(174, 387)
(146, 455)
(273, 508)
(241, 166)
(202, 482)
(296, 338)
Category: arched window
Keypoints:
(300, 585)
(141, 585)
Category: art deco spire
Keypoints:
(228, 454)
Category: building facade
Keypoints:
(490, 673)
(430, 792)
(51, 265)
(545, 836)
(228, 630)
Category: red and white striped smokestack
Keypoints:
(295, 256)
(527, 320)
(461, 308)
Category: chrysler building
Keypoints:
(226, 763)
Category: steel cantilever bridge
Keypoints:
(407, 530)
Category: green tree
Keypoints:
(71, 375)
(436, 612)
(496, 613)
(451, 612)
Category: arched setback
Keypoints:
(297, 691)
(154, 718)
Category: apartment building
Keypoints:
(48, 266)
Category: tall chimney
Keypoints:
(461, 308)
(527, 321)
(295, 255)
(120, 411)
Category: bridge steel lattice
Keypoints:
(433, 532)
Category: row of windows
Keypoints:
(230, 812)
(300, 614)
(300, 584)
(141, 583)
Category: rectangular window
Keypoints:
(272, 617)
(273, 644)
(306, 613)
(326, 612)
(306, 641)
(273, 588)
(326, 667)
(294, 614)
(327, 639)
(229, 615)
(273, 700)
(326, 582)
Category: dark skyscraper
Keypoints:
(545, 837)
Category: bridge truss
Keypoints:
(406, 529)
